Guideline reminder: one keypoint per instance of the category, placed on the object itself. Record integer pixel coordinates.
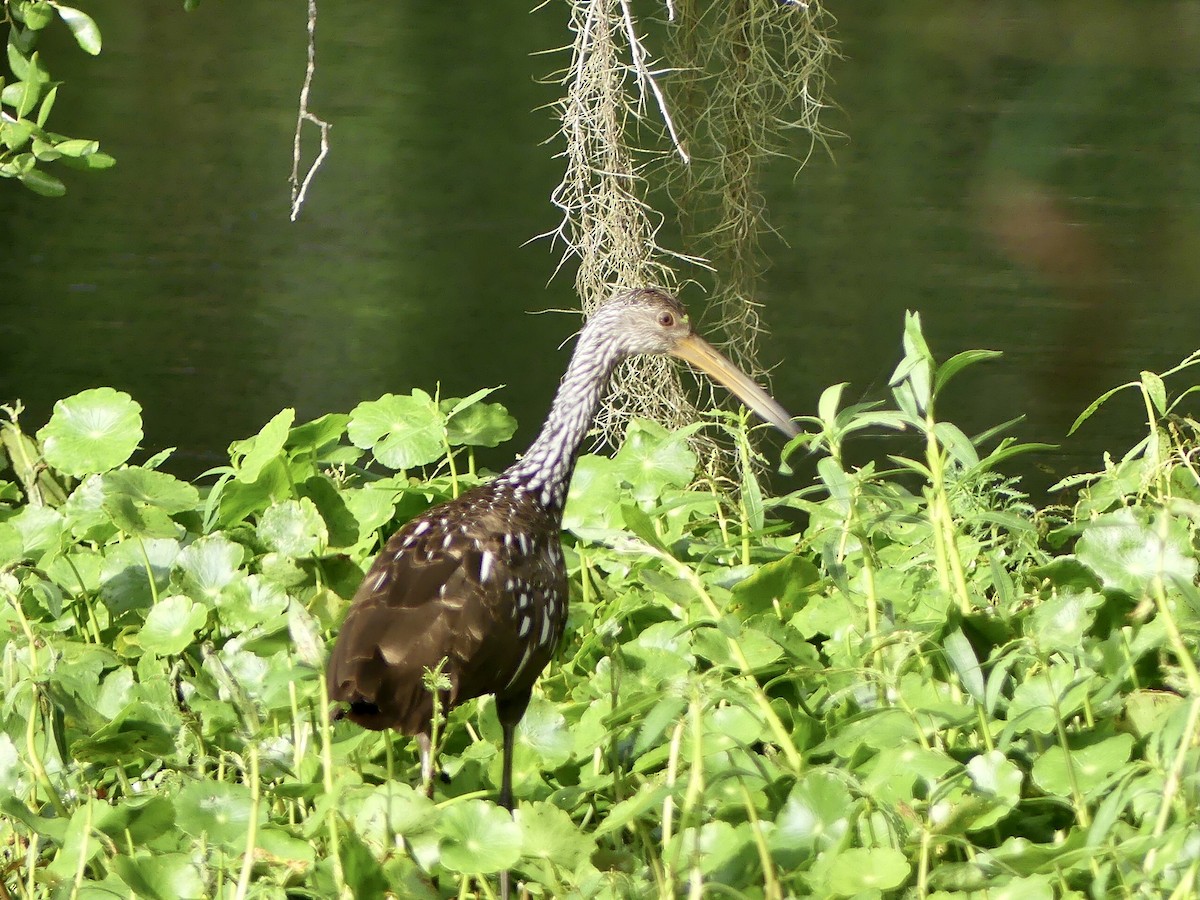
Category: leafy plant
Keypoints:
(26, 100)
(28, 94)
(926, 687)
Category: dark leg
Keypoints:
(509, 710)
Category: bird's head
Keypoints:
(649, 320)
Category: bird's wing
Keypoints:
(433, 593)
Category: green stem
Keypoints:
(782, 738)
(1171, 785)
(339, 876)
(243, 884)
(149, 570)
(950, 570)
(1178, 645)
(1081, 810)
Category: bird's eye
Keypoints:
(665, 319)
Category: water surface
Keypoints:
(1027, 175)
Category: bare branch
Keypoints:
(300, 188)
(646, 78)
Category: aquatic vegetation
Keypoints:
(904, 680)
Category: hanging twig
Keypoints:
(300, 188)
(646, 79)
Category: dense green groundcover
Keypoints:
(902, 683)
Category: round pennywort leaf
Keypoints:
(402, 432)
(171, 625)
(293, 528)
(218, 810)
(92, 432)
(863, 869)
(478, 837)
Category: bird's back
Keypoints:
(478, 581)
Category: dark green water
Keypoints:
(1027, 175)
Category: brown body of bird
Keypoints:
(478, 584)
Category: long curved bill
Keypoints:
(704, 356)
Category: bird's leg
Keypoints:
(509, 710)
(426, 746)
(506, 797)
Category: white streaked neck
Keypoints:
(549, 461)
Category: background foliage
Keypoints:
(898, 682)
(27, 97)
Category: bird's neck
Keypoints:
(547, 465)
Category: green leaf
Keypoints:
(652, 459)
(814, 818)
(265, 447)
(279, 845)
(548, 833)
(319, 435)
(478, 424)
(868, 869)
(208, 566)
(137, 734)
(12, 546)
(94, 161)
(544, 730)
(778, 587)
(478, 837)
(957, 444)
(1128, 550)
(11, 767)
(294, 528)
(76, 148)
(364, 876)
(402, 431)
(1036, 698)
(1060, 621)
(47, 105)
(171, 625)
(14, 135)
(218, 811)
(1153, 388)
(663, 715)
(87, 34)
(955, 364)
(827, 405)
(1096, 404)
(92, 432)
(624, 812)
(169, 876)
(36, 15)
(42, 183)
(140, 501)
(962, 658)
(992, 773)
(594, 500)
(1092, 764)
(151, 488)
(392, 809)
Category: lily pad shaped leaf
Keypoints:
(218, 810)
(1127, 552)
(171, 625)
(868, 869)
(293, 527)
(92, 432)
(479, 837)
(402, 431)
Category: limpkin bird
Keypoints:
(479, 581)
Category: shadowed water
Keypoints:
(1027, 175)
